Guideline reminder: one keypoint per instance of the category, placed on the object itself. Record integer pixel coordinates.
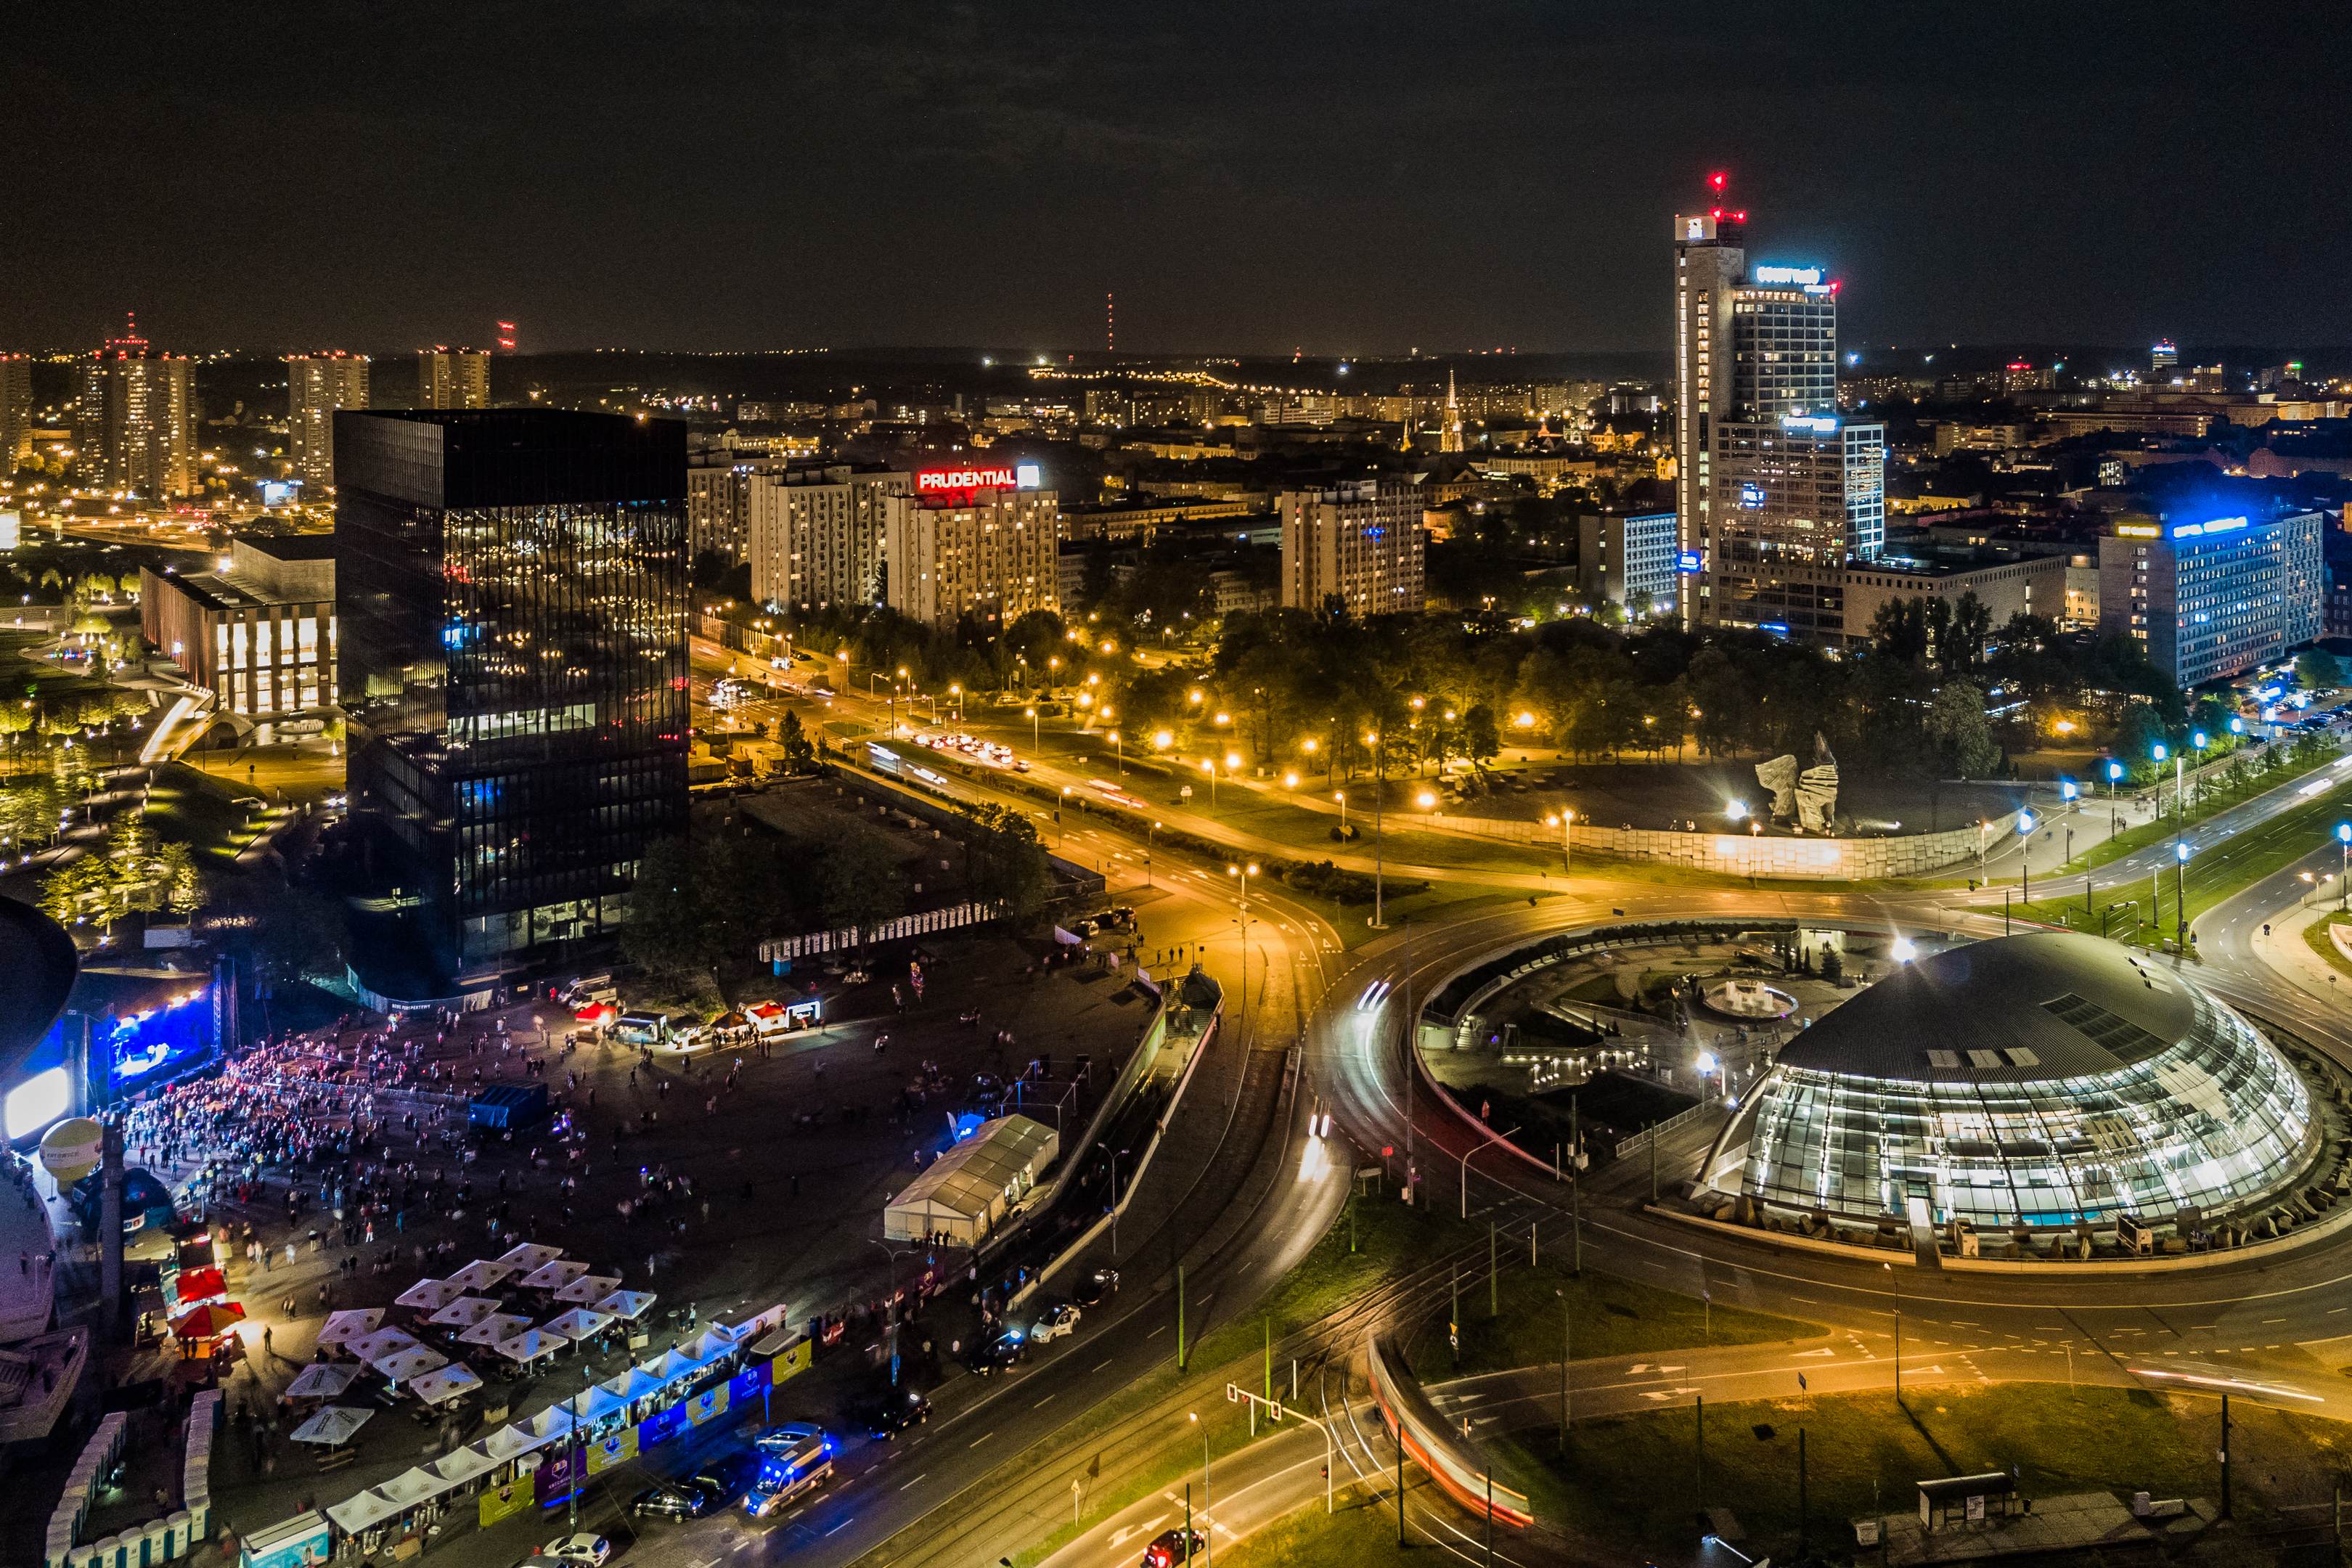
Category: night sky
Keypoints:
(1343, 178)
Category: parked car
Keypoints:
(675, 1500)
(584, 1550)
(1054, 1318)
(885, 1415)
(1006, 1350)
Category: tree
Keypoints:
(858, 885)
(1007, 863)
(2319, 667)
(800, 757)
(1957, 720)
(184, 885)
(1481, 738)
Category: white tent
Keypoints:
(415, 1362)
(526, 1256)
(444, 1384)
(491, 1330)
(554, 1276)
(352, 1325)
(633, 1386)
(463, 1465)
(322, 1380)
(480, 1274)
(464, 1311)
(427, 1295)
(358, 1514)
(528, 1346)
(965, 1191)
(413, 1486)
(508, 1443)
(381, 1343)
(629, 1304)
(583, 1291)
(578, 1324)
(333, 1426)
(550, 1423)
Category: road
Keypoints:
(2249, 1325)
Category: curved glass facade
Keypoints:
(2216, 1122)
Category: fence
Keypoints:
(1808, 859)
(841, 938)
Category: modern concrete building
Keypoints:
(2213, 597)
(2005, 582)
(2046, 1080)
(974, 540)
(315, 386)
(1627, 559)
(259, 633)
(814, 536)
(135, 420)
(1356, 545)
(453, 378)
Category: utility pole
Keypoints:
(1493, 1272)
(1800, 1493)
(1699, 1450)
(1179, 1317)
(1567, 1354)
(2225, 1456)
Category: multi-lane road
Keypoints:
(1002, 1464)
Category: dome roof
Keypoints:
(2016, 1009)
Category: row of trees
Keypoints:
(134, 873)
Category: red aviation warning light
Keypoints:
(1718, 181)
(507, 336)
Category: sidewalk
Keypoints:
(2285, 949)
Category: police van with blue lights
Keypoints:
(795, 1461)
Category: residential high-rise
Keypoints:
(1357, 545)
(315, 386)
(135, 420)
(511, 604)
(453, 378)
(817, 535)
(1767, 476)
(981, 540)
(15, 413)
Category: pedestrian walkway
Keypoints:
(2286, 949)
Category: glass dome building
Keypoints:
(2044, 1080)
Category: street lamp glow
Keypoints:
(1901, 950)
(1290, 781)
(1425, 800)
(2068, 789)
(1708, 1062)
(1524, 720)
(1736, 810)
(1162, 739)
(2344, 832)
(2024, 824)
(2197, 739)
(1233, 760)
(2115, 772)
(2158, 752)
(2180, 851)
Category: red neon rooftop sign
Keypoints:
(956, 486)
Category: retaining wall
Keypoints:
(1760, 854)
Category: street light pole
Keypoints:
(2344, 870)
(2180, 896)
(1244, 873)
(1474, 1154)
(1379, 789)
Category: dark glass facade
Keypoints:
(511, 595)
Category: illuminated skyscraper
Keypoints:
(511, 595)
(135, 420)
(980, 541)
(1775, 492)
(453, 378)
(15, 412)
(315, 386)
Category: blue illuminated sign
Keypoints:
(1751, 498)
(2217, 525)
(1813, 424)
(1690, 560)
(1799, 275)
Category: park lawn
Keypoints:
(1635, 1478)
(2217, 874)
(1608, 1316)
(1362, 1534)
(190, 807)
(2315, 937)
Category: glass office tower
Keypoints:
(511, 592)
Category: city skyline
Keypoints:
(1491, 186)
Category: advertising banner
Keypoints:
(613, 1448)
(503, 1501)
(660, 1426)
(710, 1402)
(556, 1476)
(307, 1542)
(793, 1361)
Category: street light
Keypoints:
(2025, 855)
(1379, 789)
(1244, 873)
(1209, 1536)
(2179, 899)
(1567, 854)
(2115, 772)
(1036, 744)
(1341, 796)
(1473, 1154)
(1118, 750)
(2344, 870)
